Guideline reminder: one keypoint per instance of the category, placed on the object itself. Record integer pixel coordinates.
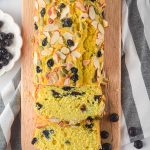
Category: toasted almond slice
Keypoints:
(84, 15)
(55, 37)
(68, 35)
(76, 54)
(95, 23)
(65, 50)
(36, 18)
(55, 58)
(69, 65)
(105, 23)
(86, 62)
(51, 27)
(61, 55)
(74, 47)
(53, 119)
(35, 58)
(60, 40)
(67, 82)
(64, 12)
(80, 6)
(44, 52)
(36, 5)
(46, 34)
(101, 28)
(96, 62)
(41, 3)
(54, 77)
(92, 12)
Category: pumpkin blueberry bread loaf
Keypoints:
(84, 136)
(71, 104)
(68, 43)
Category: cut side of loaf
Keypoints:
(83, 136)
(71, 104)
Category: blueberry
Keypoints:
(43, 11)
(38, 69)
(34, 140)
(44, 42)
(7, 42)
(132, 131)
(89, 126)
(5, 62)
(104, 134)
(90, 119)
(35, 26)
(50, 63)
(83, 108)
(97, 97)
(67, 88)
(46, 134)
(74, 70)
(70, 43)
(61, 6)
(10, 36)
(8, 56)
(114, 117)
(1, 23)
(138, 144)
(67, 142)
(74, 93)
(99, 53)
(56, 94)
(74, 78)
(3, 51)
(67, 22)
(106, 146)
(2, 36)
(39, 106)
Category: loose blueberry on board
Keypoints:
(114, 117)
(138, 144)
(104, 134)
(132, 131)
(106, 146)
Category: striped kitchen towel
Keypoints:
(135, 83)
(135, 69)
(9, 115)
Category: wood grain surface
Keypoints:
(112, 68)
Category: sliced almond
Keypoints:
(74, 47)
(84, 15)
(100, 39)
(35, 58)
(68, 35)
(105, 23)
(51, 27)
(55, 37)
(65, 50)
(69, 65)
(80, 6)
(64, 12)
(53, 119)
(61, 55)
(60, 41)
(101, 28)
(56, 58)
(41, 3)
(95, 23)
(36, 18)
(54, 77)
(92, 12)
(44, 52)
(96, 62)
(86, 62)
(46, 34)
(76, 54)
(67, 82)
(36, 5)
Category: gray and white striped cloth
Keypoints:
(135, 83)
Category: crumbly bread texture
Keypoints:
(68, 42)
(72, 104)
(83, 136)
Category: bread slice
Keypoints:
(72, 104)
(84, 136)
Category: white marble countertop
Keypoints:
(14, 9)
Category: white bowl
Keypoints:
(15, 48)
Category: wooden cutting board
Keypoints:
(112, 69)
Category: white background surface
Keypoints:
(13, 7)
